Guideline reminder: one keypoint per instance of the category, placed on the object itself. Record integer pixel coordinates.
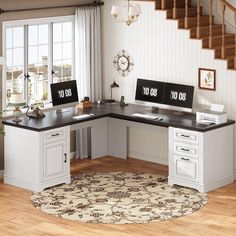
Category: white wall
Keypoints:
(162, 52)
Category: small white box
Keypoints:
(208, 116)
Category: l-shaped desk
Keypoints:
(37, 150)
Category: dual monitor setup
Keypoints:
(148, 92)
(151, 92)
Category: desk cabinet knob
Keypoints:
(65, 160)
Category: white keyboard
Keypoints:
(82, 116)
(152, 117)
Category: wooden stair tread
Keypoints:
(214, 26)
(229, 57)
(226, 46)
(218, 36)
(206, 26)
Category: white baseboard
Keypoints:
(1, 173)
(144, 157)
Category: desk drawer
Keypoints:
(186, 168)
(54, 135)
(185, 135)
(186, 150)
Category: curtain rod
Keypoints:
(95, 4)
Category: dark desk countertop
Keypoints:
(169, 118)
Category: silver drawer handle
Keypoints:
(54, 135)
(185, 150)
(185, 159)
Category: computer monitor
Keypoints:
(166, 95)
(64, 94)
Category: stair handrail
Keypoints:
(231, 7)
(225, 4)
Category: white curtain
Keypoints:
(88, 52)
(87, 65)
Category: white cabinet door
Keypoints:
(56, 160)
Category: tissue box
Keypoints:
(208, 116)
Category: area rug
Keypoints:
(119, 198)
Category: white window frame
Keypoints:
(29, 22)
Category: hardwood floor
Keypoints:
(19, 217)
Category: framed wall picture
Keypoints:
(207, 79)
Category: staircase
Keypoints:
(202, 27)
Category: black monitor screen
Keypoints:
(64, 92)
(149, 91)
(164, 93)
(179, 95)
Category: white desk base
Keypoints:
(37, 160)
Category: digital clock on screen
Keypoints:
(147, 91)
(65, 93)
(176, 95)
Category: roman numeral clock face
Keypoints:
(123, 63)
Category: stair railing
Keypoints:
(163, 4)
(198, 18)
(186, 15)
(210, 24)
(174, 9)
(225, 4)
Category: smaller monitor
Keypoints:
(64, 93)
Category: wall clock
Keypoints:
(123, 63)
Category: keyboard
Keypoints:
(145, 116)
(82, 116)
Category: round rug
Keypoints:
(119, 198)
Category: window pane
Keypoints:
(43, 34)
(62, 52)
(67, 31)
(15, 61)
(58, 71)
(33, 35)
(38, 85)
(38, 67)
(67, 50)
(43, 53)
(33, 55)
(67, 65)
(9, 57)
(18, 37)
(18, 57)
(57, 51)
(57, 32)
(14, 83)
(9, 38)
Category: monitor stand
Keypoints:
(62, 110)
(153, 109)
(179, 113)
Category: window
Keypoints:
(38, 53)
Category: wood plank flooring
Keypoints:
(19, 217)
